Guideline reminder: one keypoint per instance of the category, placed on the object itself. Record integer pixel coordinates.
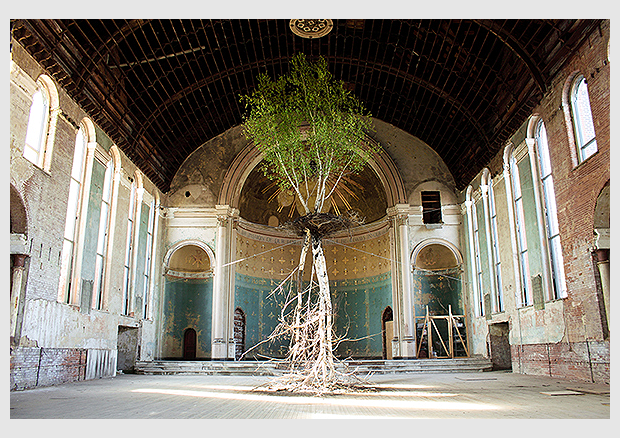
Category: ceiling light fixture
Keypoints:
(311, 28)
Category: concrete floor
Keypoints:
(491, 395)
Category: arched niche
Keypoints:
(189, 259)
(436, 266)
(188, 300)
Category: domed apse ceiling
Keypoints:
(263, 202)
(162, 88)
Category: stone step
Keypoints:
(461, 364)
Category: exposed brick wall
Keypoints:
(578, 186)
(580, 350)
(581, 361)
(32, 366)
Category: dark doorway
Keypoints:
(127, 348)
(387, 325)
(499, 346)
(239, 333)
(189, 344)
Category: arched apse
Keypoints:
(188, 298)
(359, 267)
(247, 160)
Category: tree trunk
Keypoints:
(324, 366)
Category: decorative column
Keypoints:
(19, 261)
(219, 321)
(230, 308)
(399, 216)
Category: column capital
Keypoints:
(399, 214)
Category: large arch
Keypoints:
(250, 157)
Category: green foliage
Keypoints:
(309, 128)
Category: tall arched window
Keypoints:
(550, 209)
(474, 253)
(478, 261)
(498, 302)
(73, 208)
(129, 249)
(524, 263)
(42, 123)
(583, 125)
(148, 257)
(102, 237)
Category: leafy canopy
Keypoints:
(309, 128)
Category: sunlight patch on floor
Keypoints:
(327, 401)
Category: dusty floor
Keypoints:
(492, 395)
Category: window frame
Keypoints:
(492, 235)
(101, 256)
(525, 296)
(41, 156)
(555, 262)
(475, 262)
(577, 119)
(69, 254)
(31, 153)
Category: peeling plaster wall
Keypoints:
(198, 181)
(415, 160)
(74, 343)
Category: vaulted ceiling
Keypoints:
(161, 88)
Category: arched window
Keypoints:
(37, 127)
(148, 257)
(474, 253)
(583, 125)
(519, 211)
(139, 250)
(73, 212)
(102, 238)
(41, 123)
(550, 210)
(493, 242)
(129, 249)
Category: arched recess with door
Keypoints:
(187, 301)
(437, 286)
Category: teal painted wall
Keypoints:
(252, 295)
(358, 306)
(187, 304)
(438, 290)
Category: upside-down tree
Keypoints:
(310, 130)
